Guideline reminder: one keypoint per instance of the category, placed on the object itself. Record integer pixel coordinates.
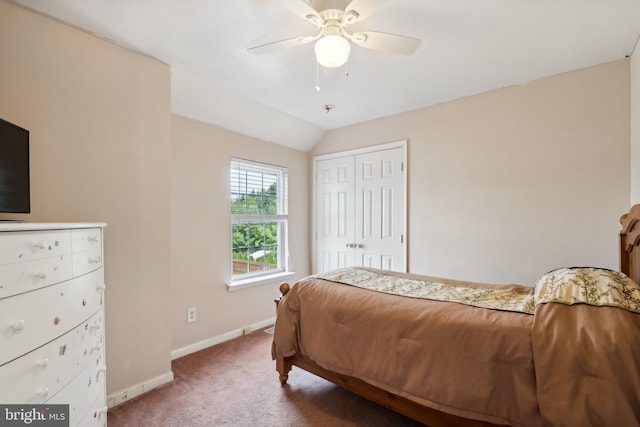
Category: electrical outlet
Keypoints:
(191, 314)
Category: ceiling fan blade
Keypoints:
(363, 9)
(386, 42)
(283, 44)
(304, 11)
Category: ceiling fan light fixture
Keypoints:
(332, 51)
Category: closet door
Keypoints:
(360, 210)
(379, 210)
(335, 213)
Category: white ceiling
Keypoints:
(468, 47)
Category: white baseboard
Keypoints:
(122, 396)
(201, 345)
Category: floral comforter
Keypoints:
(576, 285)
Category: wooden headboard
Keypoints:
(629, 242)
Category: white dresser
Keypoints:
(52, 346)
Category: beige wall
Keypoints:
(635, 125)
(99, 118)
(506, 185)
(201, 237)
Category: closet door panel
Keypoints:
(334, 213)
(380, 212)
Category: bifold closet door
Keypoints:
(379, 210)
(360, 211)
(335, 213)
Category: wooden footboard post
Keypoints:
(284, 288)
(283, 365)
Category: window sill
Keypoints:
(256, 281)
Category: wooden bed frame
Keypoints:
(629, 264)
(630, 239)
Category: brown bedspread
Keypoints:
(564, 365)
(587, 362)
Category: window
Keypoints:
(258, 220)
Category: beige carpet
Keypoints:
(235, 384)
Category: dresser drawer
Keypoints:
(23, 277)
(96, 415)
(28, 320)
(86, 261)
(88, 343)
(82, 394)
(85, 239)
(21, 246)
(38, 375)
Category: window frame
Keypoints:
(280, 217)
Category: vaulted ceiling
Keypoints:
(467, 47)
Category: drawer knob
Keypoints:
(94, 260)
(40, 275)
(42, 363)
(101, 287)
(100, 413)
(102, 370)
(18, 325)
(43, 392)
(93, 238)
(39, 245)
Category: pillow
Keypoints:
(588, 285)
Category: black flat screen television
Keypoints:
(15, 194)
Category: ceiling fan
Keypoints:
(333, 17)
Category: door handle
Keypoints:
(355, 245)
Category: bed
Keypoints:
(453, 353)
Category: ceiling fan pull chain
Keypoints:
(317, 77)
